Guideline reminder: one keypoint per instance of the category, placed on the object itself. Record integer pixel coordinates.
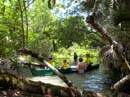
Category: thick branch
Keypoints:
(41, 59)
(104, 33)
(99, 28)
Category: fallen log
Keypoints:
(15, 86)
(13, 82)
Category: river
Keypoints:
(98, 80)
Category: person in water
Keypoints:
(88, 61)
(81, 66)
(65, 64)
(50, 60)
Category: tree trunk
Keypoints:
(123, 84)
(41, 59)
(22, 23)
(26, 22)
(104, 33)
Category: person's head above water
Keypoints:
(80, 59)
(87, 55)
(64, 60)
(50, 58)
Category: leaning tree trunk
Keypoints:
(103, 32)
(73, 89)
(91, 20)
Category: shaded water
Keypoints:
(98, 80)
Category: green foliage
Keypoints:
(72, 29)
(10, 31)
(41, 27)
(33, 25)
(64, 53)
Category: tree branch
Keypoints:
(122, 85)
(41, 59)
(98, 28)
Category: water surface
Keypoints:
(98, 80)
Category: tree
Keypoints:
(42, 28)
(10, 31)
(109, 15)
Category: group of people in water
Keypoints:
(82, 64)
